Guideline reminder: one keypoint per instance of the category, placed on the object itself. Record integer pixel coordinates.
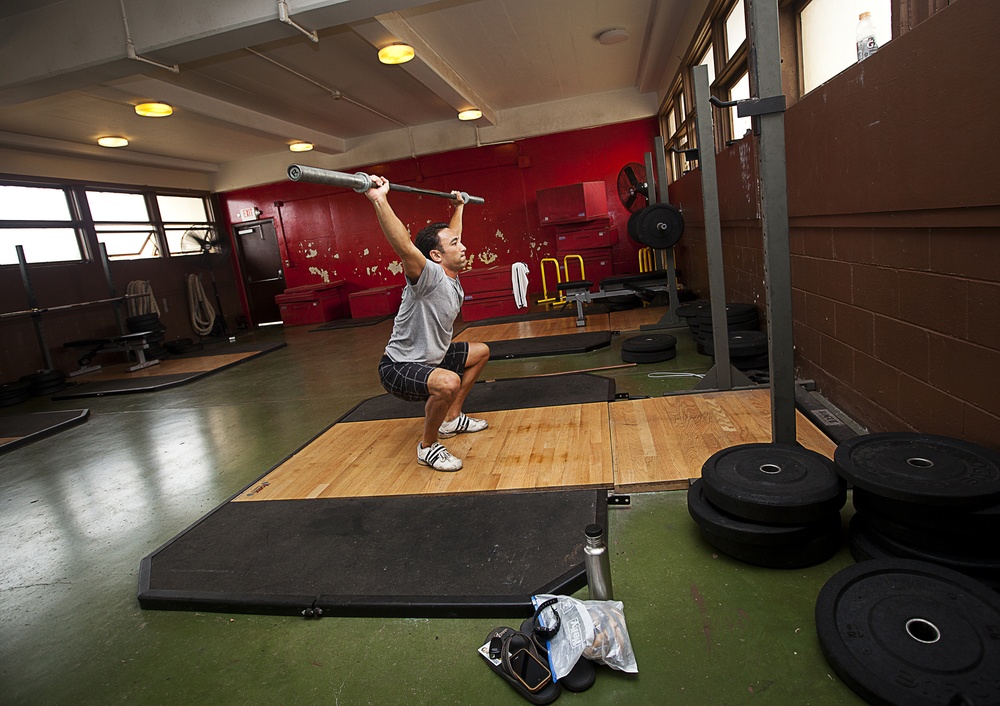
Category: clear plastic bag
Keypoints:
(594, 630)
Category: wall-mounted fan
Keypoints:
(202, 240)
(632, 186)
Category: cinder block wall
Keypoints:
(894, 231)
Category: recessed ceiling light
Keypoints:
(154, 110)
(395, 54)
(470, 114)
(111, 141)
(613, 36)
(300, 146)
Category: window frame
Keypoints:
(87, 228)
(727, 74)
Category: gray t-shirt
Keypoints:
(423, 327)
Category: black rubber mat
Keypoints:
(151, 383)
(549, 345)
(497, 395)
(350, 323)
(22, 429)
(411, 556)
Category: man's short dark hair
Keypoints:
(429, 238)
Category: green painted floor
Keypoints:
(80, 510)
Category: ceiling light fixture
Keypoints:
(111, 141)
(470, 114)
(154, 110)
(300, 146)
(395, 54)
(613, 36)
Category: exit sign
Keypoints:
(248, 214)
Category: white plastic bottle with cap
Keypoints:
(865, 36)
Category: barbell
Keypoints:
(362, 182)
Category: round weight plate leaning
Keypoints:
(921, 468)
(660, 226)
(777, 483)
(909, 633)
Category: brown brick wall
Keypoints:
(895, 244)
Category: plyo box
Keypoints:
(377, 301)
(585, 201)
(311, 303)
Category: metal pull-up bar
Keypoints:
(362, 182)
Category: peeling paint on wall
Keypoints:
(311, 254)
(487, 257)
(395, 267)
(366, 252)
(500, 235)
(322, 273)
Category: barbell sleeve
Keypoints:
(361, 182)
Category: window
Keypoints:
(721, 45)
(736, 29)
(66, 223)
(708, 60)
(41, 221)
(186, 224)
(122, 223)
(827, 35)
(740, 91)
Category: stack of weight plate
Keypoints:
(772, 505)
(747, 345)
(149, 322)
(12, 393)
(649, 348)
(927, 498)
(45, 382)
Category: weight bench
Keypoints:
(645, 284)
(131, 343)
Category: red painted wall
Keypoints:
(328, 233)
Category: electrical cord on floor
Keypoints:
(202, 312)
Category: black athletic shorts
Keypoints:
(408, 381)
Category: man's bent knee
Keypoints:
(443, 383)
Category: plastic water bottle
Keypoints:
(598, 564)
(865, 36)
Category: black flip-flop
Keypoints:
(580, 678)
(514, 656)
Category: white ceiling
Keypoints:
(248, 84)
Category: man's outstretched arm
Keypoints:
(395, 231)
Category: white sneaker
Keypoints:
(437, 457)
(461, 424)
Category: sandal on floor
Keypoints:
(580, 678)
(514, 656)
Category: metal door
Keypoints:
(260, 263)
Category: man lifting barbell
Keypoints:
(421, 362)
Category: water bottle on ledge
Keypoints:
(598, 564)
(865, 36)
